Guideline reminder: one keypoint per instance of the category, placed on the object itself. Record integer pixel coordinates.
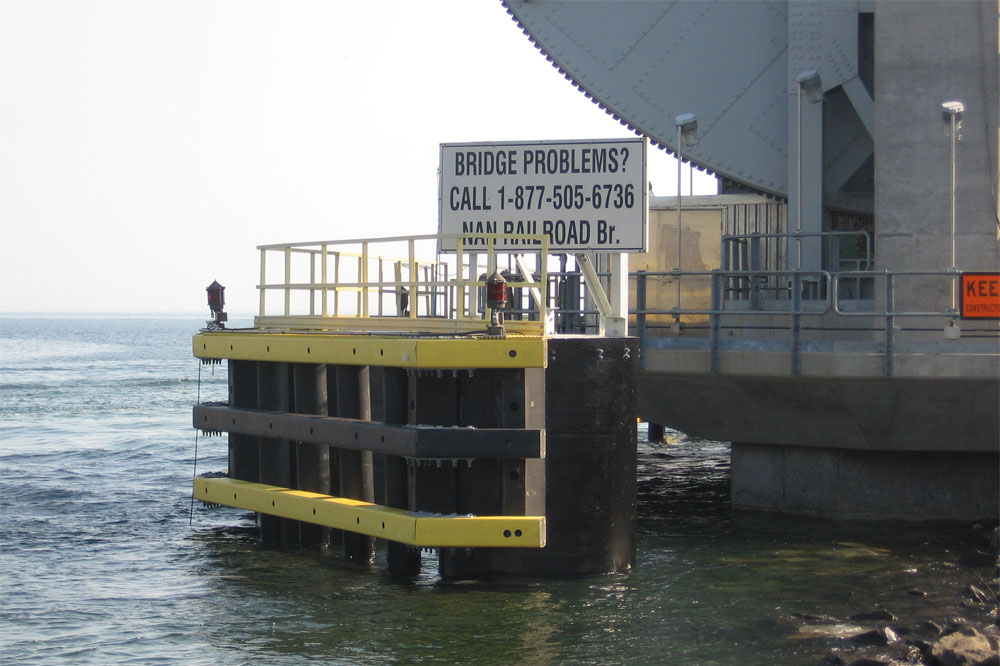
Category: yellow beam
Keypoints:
(374, 520)
(399, 352)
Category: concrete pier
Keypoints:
(842, 440)
(858, 484)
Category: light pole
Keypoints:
(951, 112)
(811, 84)
(687, 132)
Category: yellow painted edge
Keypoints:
(495, 531)
(514, 352)
(373, 519)
(465, 353)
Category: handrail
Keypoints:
(828, 303)
(398, 283)
(799, 236)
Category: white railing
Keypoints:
(402, 282)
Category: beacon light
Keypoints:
(216, 301)
(496, 300)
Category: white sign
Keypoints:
(583, 195)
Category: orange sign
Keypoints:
(980, 296)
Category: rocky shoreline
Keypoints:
(968, 635)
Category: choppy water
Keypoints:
(99, 564)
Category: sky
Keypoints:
(147, 148)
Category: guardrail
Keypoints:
(824, 302)
(373, 283)
(380, 284)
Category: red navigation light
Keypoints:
(496, 300)
(496, 291)
(216, 296)
(216, 299)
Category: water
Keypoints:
(100, 565)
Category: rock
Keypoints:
(963, 646)
(878, 615)
(928, 628)
(914, 651)
(882, 636)
(865, 661)
(830, 660)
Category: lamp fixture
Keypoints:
(811, 84)
(687, 123)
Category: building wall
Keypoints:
(928, 53)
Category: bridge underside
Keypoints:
(844, 447)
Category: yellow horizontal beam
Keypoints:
(415, 529)
(398, 352)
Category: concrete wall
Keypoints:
(845, 484)
(928, 53)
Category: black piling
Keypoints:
(401, 559)
(312, 460)
(276, 456)
(355, 467)
(243, 461)
(590, 465)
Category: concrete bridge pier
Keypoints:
(855, 484)
(920, 447)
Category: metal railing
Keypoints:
(380, 284)
(763, 254)
(377, 283)
(791, 312)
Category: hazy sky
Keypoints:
(147, 147)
